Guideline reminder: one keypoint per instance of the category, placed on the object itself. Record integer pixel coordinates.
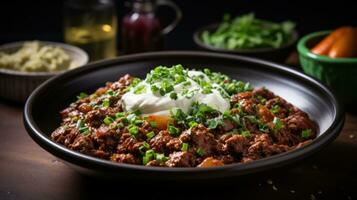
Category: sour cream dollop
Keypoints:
(186, 93)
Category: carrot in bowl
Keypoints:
(324, 46)
(345, 45)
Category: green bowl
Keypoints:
(340, 74)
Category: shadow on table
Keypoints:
(11, 103)
(329, 174)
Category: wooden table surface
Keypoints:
(29, 172)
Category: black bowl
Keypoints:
(273, 54)
(41, 114)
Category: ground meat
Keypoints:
(68, 112)
(284, 107)
(263, 92)
(263, 146)
(241, 96)
(84, 107)
(285, 137)
(185, 136)
(60, 134)
(248, 106)
(101, 154)
(158, 143)
(236, 144)
(257, 114)
(155, 163)
(298, 122)
(107, 138)
(121, 83)
(174, 144)
(128, 144)
(301, 144)
(181, 159)
(226, 159)
(265, 114)
(95, 117)
(125, 158)
(203, 139)
(82, 144)
(228, 125)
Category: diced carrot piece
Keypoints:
(210, 162)
(161, 121)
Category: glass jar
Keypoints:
(92, 26)
(141, 28)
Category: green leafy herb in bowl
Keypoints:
(246, 31)
(249, 35)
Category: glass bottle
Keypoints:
(141, 28)
(92, 26)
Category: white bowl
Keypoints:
(18, 85)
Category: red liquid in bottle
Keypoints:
(141, 31)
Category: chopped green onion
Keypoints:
(110, 92)
(146, 145)
(132, 117)
(82, 95)
(136, 112)
(246, 133)
(154, 88)
(200, 152)
(214, 123)
(187, 83)
(120, 125)
(105, 103)
(153, 124)
(178, 115)
(247, 87)
(173, 95)
(184, 147)
(133, 130)
(119, 115)
(306, 133)
(74, 118)
(275, 109)
(84, 130)
(192, 124)
(207, 90)
(79, 124)
(125, 120)
(173, 130)
(263, 128)
(142, 149)
(278, 124)
(160, 157)
(207, 71)
(179, 79)
(149, 155)
(108, 120)
(150, 135)
(261, 99)
(138, 122)
(140, 89)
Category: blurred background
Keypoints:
(42, 19)
(109, 28)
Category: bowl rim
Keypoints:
(66, 47)
(237, 168)
(197, 39)
(305, 51)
